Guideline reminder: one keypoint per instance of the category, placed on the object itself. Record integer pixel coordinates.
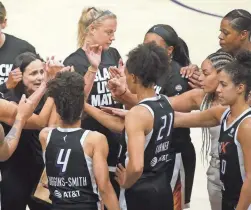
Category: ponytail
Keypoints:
(181, 53)
(169, 35)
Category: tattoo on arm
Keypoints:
(9, 143)
(12, 135)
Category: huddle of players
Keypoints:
(146, 154)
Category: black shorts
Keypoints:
(148, 194)
(69, 206)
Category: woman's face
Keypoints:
(209, 77)
(230, 39)
(104, 34)
(152, 37)
(227, 91)
(33, 76)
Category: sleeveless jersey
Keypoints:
(232, 172)
(71, 180)
(158, 152)
(154, 183)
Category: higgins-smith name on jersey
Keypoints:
(70, 181)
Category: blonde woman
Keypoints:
(96, 29)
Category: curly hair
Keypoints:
(148, 62)
(67, 90)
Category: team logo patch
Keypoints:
(154, 161)
(232, 131)
(57, 194)
(178, 88)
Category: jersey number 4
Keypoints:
(163, 128)
(63, 162)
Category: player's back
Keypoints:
(153, 190)
(71, 180)
(158, 151)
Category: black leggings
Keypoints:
(189, 161)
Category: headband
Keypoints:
(106, 12)
(164, 34)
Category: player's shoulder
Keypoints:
(43, 136)
(246, 122)
(114, 53)
(95, 137)
(20, 43)
(74, 57)
(45, 132)
(139, 114)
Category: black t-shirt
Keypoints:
(100, 95)
(11, 48)
(172, 84)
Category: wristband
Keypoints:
(91, 70)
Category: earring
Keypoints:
(170, 58)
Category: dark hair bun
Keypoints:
(244, 58)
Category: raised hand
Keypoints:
(120, 175)
(192, 73)
(93, 53)
(188, 71)
(14, 78)
(52, 67)
(117, 72)
(117, 86)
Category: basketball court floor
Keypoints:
(51, 26)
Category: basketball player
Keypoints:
(148, 128)
(96, 28)
(234, 142)
(171, 84)
(10, 48)
(202, 99)
(75, 158)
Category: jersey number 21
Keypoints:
(163, 128)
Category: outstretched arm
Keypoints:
(111, 122)
(207, 118)
(188, 101)
(40, 121)
(9, 144)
